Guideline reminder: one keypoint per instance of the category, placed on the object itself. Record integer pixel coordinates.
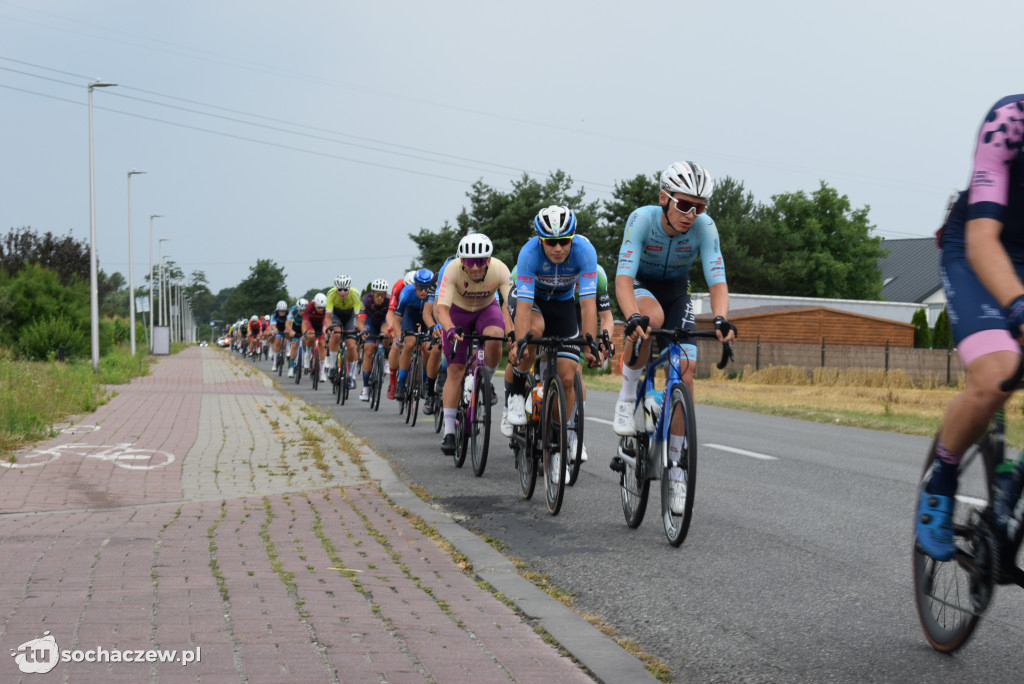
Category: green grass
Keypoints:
(35, 395)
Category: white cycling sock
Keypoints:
(449, 421)
(630, 376)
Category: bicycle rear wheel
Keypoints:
(681, 417)
(480, 426)
(460, 436)
(415, 383)
(555, 443)
(526, 461)
(442, 378)
(576, 429)
(634, 487)
(952, 595)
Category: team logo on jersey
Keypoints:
(653, 248)
(526, 279)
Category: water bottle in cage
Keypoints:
(652, 408)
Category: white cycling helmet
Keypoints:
(475, 245)
(266, 317)
(343, 282)
(688, 177)
(379, 285)
(555, 222)
(254, 318)
(320, 300)
(409, 277)
(302, 303)
(282, 306)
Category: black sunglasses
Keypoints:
(561, 242)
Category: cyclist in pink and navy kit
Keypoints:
(982, 245)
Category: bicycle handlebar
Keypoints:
(472, 337)
(587, 341)
(679, 335)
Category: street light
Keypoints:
(151, 276)
(160, 270)
(94, 295)
(131, 262)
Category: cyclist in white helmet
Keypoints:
(465, 299)
(652, 282)
(292, 329)
(373, 316)
(343, 304)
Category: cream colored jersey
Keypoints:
(456, 288)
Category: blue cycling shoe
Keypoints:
(934, 527)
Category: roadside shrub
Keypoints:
(41, 339)
(922, 333)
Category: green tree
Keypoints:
(68, 257)
(922, 333)
(639, 191)
(258, 293)
(942, 335)
(505, 217)
(201, 300)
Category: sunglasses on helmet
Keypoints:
(684, 206)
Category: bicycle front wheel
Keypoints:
(555, 444)
(576, 430)
(314, 372)
(480, 425)
(376, 381)
(677, 494)
(952, 595)
(526, 460)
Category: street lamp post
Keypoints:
(131, 263)
(160, 271)
(94, 295)
(151, 278)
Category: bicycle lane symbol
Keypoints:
(123, 455)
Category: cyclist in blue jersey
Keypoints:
(292, 329)
(410, 312)
(278, 324)
(982, 243)
(550, 266)
(660, 244)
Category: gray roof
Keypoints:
(911, 269)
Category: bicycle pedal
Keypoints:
(618, 465)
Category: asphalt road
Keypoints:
(797, 566)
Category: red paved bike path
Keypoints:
(235, 552)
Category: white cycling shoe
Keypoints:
(516, 409)
(623, 423)
(506, 427)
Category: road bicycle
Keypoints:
(473, 414)
(646, 456)
(544, 440)
(414, 380)
(123, 455)
(279, 357)
(439, 382)
(951, 596)
(377, 374)
(300, 359)
(341, 376)
(314, 361)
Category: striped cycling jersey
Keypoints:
(537, 277)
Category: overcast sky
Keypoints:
(321, 133)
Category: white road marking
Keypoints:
(600, 420)
(742, 452)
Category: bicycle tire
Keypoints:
(414, 383)
(442, 378)
(280, 363)
(951, 596)
(376, 381)
(480, 426)
(553, 444)
(314, 369)
(300, 359)
(577, 429)
(341, 376)
(526, 461)
(634, 487)
(460, 433)
(677, 525)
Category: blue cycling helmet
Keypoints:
(555, 222)
(424, 276)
